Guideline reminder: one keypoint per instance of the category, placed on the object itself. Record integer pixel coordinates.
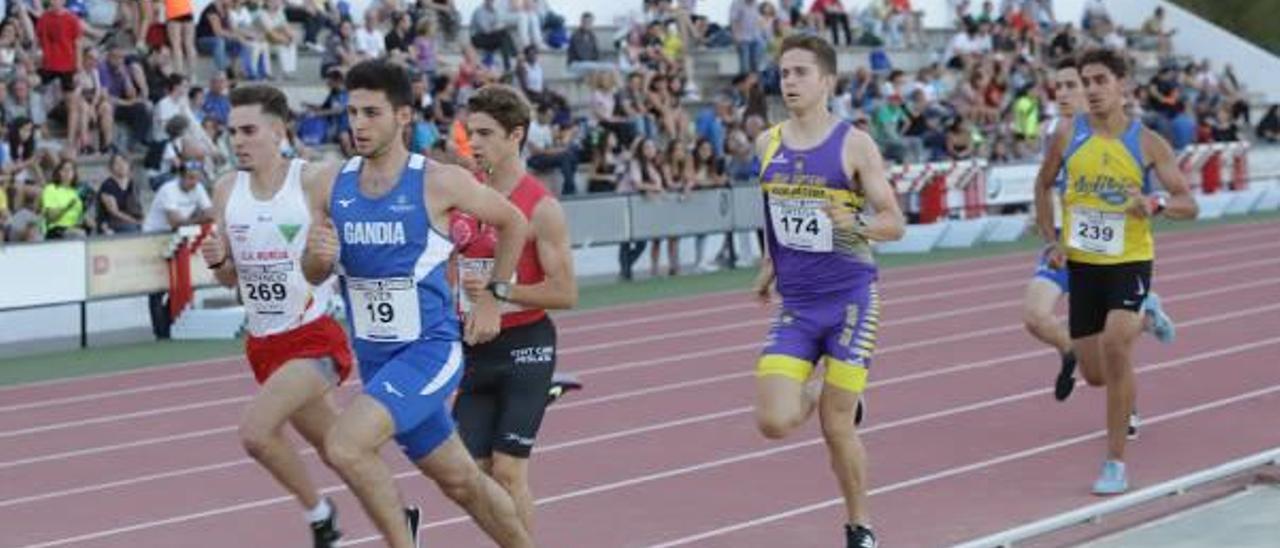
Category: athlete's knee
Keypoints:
(342, 451)
(256, 438)
(1115, 352)
(462, 484)
(510, 474)
(1093, 376)
(1037, 321)
(836, 418)
(773, 425)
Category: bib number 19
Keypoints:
(383, 312)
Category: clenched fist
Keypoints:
(322, 250)
(213, 250)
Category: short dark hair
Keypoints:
(389, 77)
(818, 46)
(504, 104)
(270, 99)
(1109, 58)
(1067, 62)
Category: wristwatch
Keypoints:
(500, 290)
(1160, 203)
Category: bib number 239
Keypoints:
(1097, 232)
(385, 309)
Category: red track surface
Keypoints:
(964, 436)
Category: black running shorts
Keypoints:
(1099, 289)
(503, 394)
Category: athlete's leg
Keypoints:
(460, 479)
(512, 473)
(1117, 340)
(1037, 314)
(848, 457)
(314, 420)
(295, 385)
(784, 400)
(352, 448)
(1089, 355)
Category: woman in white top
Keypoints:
(94, 105)
(280, 36)
(253, 41)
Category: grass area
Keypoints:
(132, 356)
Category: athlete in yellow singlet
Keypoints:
(1106, 241)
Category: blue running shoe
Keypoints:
(1113, 480)
(1161, 324)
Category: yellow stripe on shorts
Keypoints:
(782, 364)
(842, 374)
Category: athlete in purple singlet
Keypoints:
(818, 174)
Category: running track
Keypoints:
(964, 436)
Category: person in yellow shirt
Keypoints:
(61, 204)
(1106, 242)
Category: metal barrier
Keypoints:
(1093, 512)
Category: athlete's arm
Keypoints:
(863, 160)
(764, 278)
(1049, 168)
(558, 288)
(1181, 204)
(216, 248)
(322, 237)
(451, 187)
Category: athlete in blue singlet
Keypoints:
(820, 176)
(380, 226)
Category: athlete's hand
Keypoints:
(1057, 257)
(483, 322)
(762, 288)
(322, 243)
(1139, 204)
(212, 249)
(474, 286)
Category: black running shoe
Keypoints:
(1134, 422)
(859, 537)
(1066, 377)
(412, 518)
(325, 532)
(562, 384)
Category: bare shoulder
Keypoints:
(762, 140)
(223, 186)
(1154, 146)
(548, 211)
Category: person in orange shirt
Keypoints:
(180, 24)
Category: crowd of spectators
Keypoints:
(119, 81)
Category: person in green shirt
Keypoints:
(1026, 121)
(62, 204)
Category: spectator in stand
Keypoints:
(181, 201)
(398, 42)
(609, 164)
(1269, 126)
(21, 103)
(280, 37)
(532, 81)
(216, 105)
(833, 15)
(959, 137)
(1223, 126)
(584, 52)
(340, 49)
(119, 210)
(94, 105)
(1153, 34)
(550, 148)
(424, 49)
(215, 36)
(179, 18)
(677, 181)
(58, 32)
(370, 41)
(62, 204)
(254, 53)
(527, 21)
(126, 87)
(489, 35)
(18, 223)
(903, 25)
(447, 17)
(12, 53)
(708, 173)
(748, 34)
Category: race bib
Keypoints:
(385, 309)
(801, 224)
(1097, 231)
(265, 287)
(477, 268)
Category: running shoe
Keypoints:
(861, 410)
(1113, 480)
(1161, 325)
(413, 517)
(1134, 422)
(562, 384)
(1066, 381)
(859, 537)
(325, 532)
